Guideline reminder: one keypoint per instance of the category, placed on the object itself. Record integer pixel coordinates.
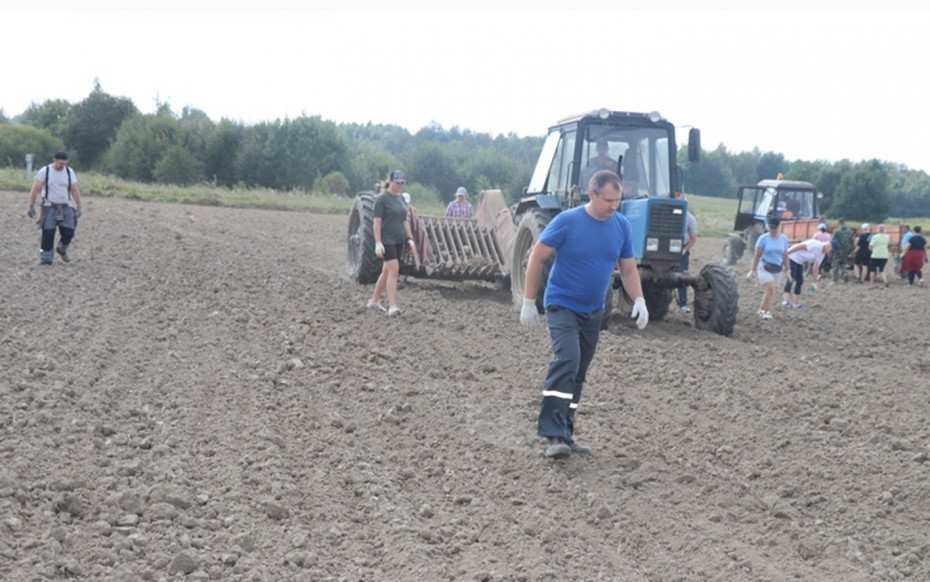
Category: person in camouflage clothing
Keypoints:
(846, 240)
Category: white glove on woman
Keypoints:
(413, 247)
(379, 249)
(640, 313)
(749, 274)
(529, 316)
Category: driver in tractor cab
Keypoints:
(602, 161)
(782, 211)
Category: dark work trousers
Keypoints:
(573, 338)
(66, 227)
(797, 273)
(683, 291)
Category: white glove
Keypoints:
(640, 313)
(413, 247)
(379, 249)
(749, 274)
(529, 316)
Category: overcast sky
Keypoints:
(809, 84)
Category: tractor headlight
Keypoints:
(652, 244)
(674, 245)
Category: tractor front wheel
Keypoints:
(716, 303)
(362, 264)
(531, 226)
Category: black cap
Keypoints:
(61, 155)
(773, 222)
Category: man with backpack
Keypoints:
(60, 208)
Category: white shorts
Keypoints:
(766, 277)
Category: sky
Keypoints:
(805, 81)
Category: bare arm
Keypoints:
(755, 258)
(538, 255)
(376, 229)
(691, 243)
(76, 193)
(34, 193)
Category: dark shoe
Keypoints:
(45, 262)
(64, 256)
(558, 449)
(579, 449)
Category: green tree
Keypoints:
(178, 166)
(433, 165)
(863, 192)
(140, 144)
(49, 115)
(710, 177)
(334, 183)
(18, 140)
(91, 125)
(770, 166)
(221, 151)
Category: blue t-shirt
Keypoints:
(773, 249)
(586, 251)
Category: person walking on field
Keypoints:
(915, 256)
(61, 207)
(845, 240)
(863, 254)
(391, 231)
(587, 242)
(769, 263)
(878, 247)
(691, 236)
(810, 251)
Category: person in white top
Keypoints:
(61, 207)
(810, 251)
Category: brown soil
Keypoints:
(201, 394)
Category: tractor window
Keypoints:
(553, 171)
(543, 166)
(644, 167)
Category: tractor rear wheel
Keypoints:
(716, 306)
(531, 226)
(362, 263)
(733, 249)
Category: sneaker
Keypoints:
(42, 262)
(787, 304)
(579, 449)
(685, 309)
(887, 285)
(761, 313)
(393, 310)
(64, 256)
(558, 449)
(799, 306)
(376, 305)
(766, 315)
(921, 282)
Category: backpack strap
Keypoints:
(67, 171)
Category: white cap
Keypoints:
(461, 191)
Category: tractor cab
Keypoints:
(787, 200)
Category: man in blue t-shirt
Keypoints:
(587, 242)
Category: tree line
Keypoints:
(109, 134)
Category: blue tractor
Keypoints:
(641, 148)
(495, 244)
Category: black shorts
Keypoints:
(394, 252)
(878, 265)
